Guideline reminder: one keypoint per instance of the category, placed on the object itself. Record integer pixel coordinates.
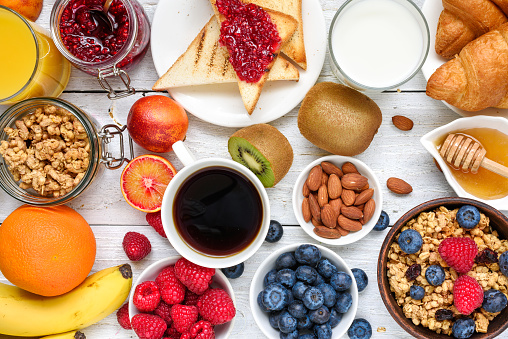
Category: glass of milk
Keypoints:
(376, 45)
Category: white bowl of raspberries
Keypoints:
(174, 297)
(304, 288)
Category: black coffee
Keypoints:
(218, 211)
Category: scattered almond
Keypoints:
(315, 177)
(364, 196)
(315, 210)
(403, 123)
(348, 197)
(325, 232)
(330, 169)
(349, 167)
(348, 224)
(398, 186)
(351, 212)
(322, 196)
(328, 216)
(353, 181)
(334, 186)
(368, 210)
(306, 210)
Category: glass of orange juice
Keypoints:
(30, 64)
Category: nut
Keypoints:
(336, 205)
(324, 179)
(325, 232)
(342, 231)
(368, 210)
(322, 195)
(305, 189)
(334, 186)
(306, 210)
(398, 186)
(403, 123)
(353, 181)
(351, 212)
(348, 197)
(328, 216)
(316, 222)
(330, 169)
(364, 196)
(315, 177)
(315, 210)
(348, 224)
(349, 167)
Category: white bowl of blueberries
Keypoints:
(306, 291)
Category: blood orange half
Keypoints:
(144, 180)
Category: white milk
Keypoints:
(377, 43)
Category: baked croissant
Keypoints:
(477, 77)
(462, 21)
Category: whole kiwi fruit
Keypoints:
(338, 119)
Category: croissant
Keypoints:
(477, 77)
(462, 21)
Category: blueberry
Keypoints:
(320, 315)
(344, 302)
(275, 297)
(304, 323)
(260, 303)
(335, 318)
(463, 328)
(270, 277)
(435, 275)
(468, 216)
(233, 272)
(416, 292)
(329, 294)
(290, 296)
(494, 301)
(361, 278)
(297, 309)
(299, 289)
(319, 280)
(273, 318)
(285, 260)
(307, 336)
(383, 222)
(503, 263)
(326, 268)
(308, 254)
(275, 231)
(341, 281)
(323, 331)
(290, 335)
(286, 277)
(410, 241)
(313, 298)
(287, 323)
(360, 329)
(306, 274)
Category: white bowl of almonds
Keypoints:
(337, 200)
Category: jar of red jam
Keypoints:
(94, 47)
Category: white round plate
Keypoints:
(176, 24)
(432, 9)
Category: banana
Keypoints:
(66, 335)
(25, 314)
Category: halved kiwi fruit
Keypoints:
(264, 150)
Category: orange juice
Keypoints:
(30, 64)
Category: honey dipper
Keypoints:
(464, 152)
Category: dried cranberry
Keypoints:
(444, 314)
(487, 256)
(413, 272)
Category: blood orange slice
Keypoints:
(144, 180)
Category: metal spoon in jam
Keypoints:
(102, 17)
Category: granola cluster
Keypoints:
(434, 227)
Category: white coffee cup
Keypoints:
(191, 166)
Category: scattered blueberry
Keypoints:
(435, 275)
(344, 302)
(275, 231)
(273, 318)
(233, 272)
(416, 292)
(360, 329)
(319, 280)
(270, 277)
(313, 298)
(361, 278)
(275, 297)
(307, 336)
(410, 241)
(323, 331)
(299, 289)
(463, 328)
(494, 301)
(341, 281)
(503, 263)
(286, 277)
(260, 303)
(308, 254)
(297, 309)
(287, 323)
(285, 260)
(329, 294)
(306, 274)
(335, 318)
(290, 335)
(320, 315)
(326, 268)
(383, 222)
(304, 323)
(468, 216)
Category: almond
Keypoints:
(366, 187)
(341, 230)
(368, 210)
(305, 190)
(360, 207)
(330, 169)
(334, 186)
(336, 204)
(364, 196)
(353, 181)
(398, 186)
(322, 195)
(351, 212)
(324, 179)
(306, 210)
(348, 197)
(315, 210)
(328, 216)
(403, 123)
(315, 222)
(325, 232)
(349, 224)
(348, 167)
(314, 179)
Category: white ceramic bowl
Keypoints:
(219, 281)
(338, 160)
(268, 264)
(428, 141)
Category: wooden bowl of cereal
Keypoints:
(416, 300)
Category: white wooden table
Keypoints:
(392, 153)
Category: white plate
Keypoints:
(432, 9)
(176, 24)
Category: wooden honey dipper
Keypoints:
(464, 152)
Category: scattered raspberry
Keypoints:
(196, 278)
(172, 290)
(191, 298)
(122, 315)
(183, 317)
(164, 311)
(148, 326)
(200, 330)
(154, 220)
(458, 253)
(146, 296)
(216, 306)
(467, 294)
(136, 246)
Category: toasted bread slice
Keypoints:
(206, 62)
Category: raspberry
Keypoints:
(122, 315)
(172, 333)
(148, 326)
(172, 290)
(196, 278)
(458, 253)
(164, 311)
(136, 246)
(154, 220)
(200, 330)
(191, 298)
(216, 306)
(467, 294)
(146, 296)
(183, 317)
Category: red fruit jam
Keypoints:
(250, 37)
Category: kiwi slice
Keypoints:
(264, 150)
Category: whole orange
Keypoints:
(46, 250)
(156, 122)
